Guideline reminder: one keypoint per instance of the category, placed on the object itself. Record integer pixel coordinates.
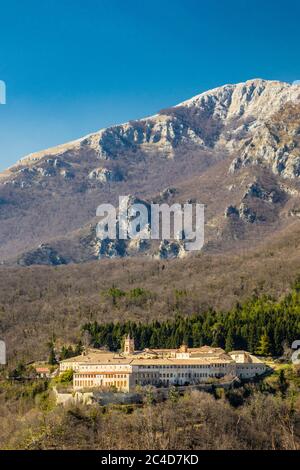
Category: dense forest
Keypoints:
(261, 325)
(41, 302)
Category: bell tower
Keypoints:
(183, 348)
(128, 345)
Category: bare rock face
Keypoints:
(171, 249)
(274, 144)
(256, 190)
(105, 175)
(247, 214)
(167, 193)
(48, 172)
(243, 213)
(110, 249)
(33, 175)
(295, 212)
(141, 246)
(27, 171)
(67, 174)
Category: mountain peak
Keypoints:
(256, 97)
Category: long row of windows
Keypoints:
(110, 376)
(161, 366)
(189, 366)
(114, 376)
(91, 383)
(186, 375)
(104, 367)
(84, 383)
(171, 375)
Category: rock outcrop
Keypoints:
(274, 144)
(43, 255)
(105, 175)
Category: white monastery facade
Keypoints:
(158, 367)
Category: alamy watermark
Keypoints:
(143, 221)
(2, 353)
(2, 92)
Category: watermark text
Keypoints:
(143, 221)
(2, 92)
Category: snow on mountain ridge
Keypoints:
(257, 99)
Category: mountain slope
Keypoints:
(234, 148)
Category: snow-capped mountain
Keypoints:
(234, 148)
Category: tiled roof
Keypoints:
(203, 356)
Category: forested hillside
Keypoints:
(260, 325)
(56, 304)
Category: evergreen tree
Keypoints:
(173, 395)
(52, 356)
(229, 344)
(18, 372)
(78, 349)
(149, 396)
(264, 346)
(283, 383)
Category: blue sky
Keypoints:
(74, 66)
